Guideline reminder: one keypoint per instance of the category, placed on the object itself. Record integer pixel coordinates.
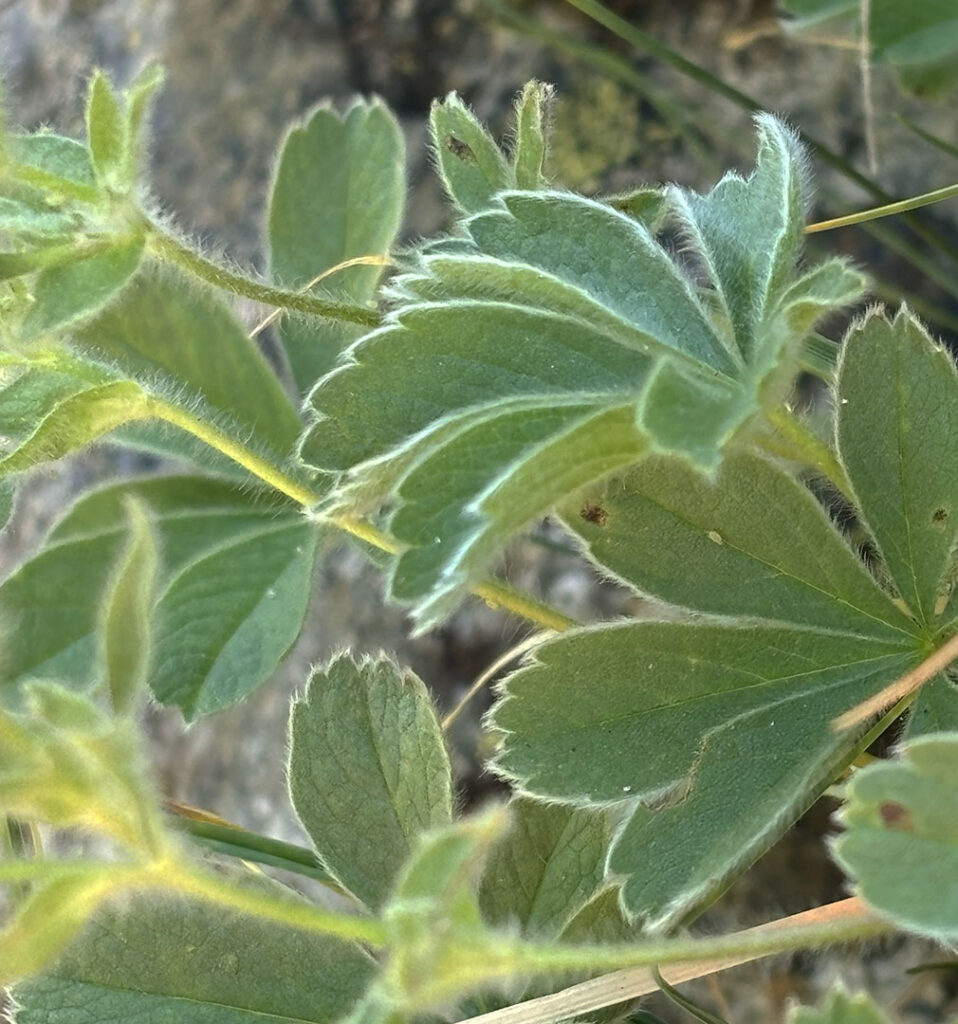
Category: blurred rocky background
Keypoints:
(238, 72)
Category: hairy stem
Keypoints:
(844, 921)
(300, 915)
(494, 593)
(169, 248)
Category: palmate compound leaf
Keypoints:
(565, 344)
(720, 729)
(723, 725)
(338, 194)
(233, 579)
(164, 959)
(368, 771)
(901, 836)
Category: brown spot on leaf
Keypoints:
(459, 149)
(594, 514)
(895, 815)
(940, 516)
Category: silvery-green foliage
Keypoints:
(559, 341)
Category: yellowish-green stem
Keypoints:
(494, 593)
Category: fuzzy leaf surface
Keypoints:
(338, 193)
(65, 762)
(898, 439)
(545, 869)
(127, 614)
(472, 167)
(368, 771)
(539, 313)
(68, 294)
(733, 726)
(228, 618)
(166, 326)
(66, 580)
(790, 566)
(163, 959)
(76, 421)
(107, 131)
(901, 838)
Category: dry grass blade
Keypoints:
(621, 986)
(356, 261)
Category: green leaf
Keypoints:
(338, 194)
(107, 132)
(749, 232)
(23, 219)
(127, 614)
(840, 1008)
(734, 726)
(66, 580)
(921, 44)
(500, 474)
(163, 959)
(755, 541)
(532, 127)
(167, 325)
(55, 162)
(30, 394)
(49, 918)
(549, 864)
(542, 323)
(76, 421)
(440, 947)
(228, 618)
(138, 97)
(65, 295)
(472, 167)
(898, 439)
(368, 771)
(65, 762)
(901, 838)
(935, 710)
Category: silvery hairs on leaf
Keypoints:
(557, 342)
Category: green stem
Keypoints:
(938, 195)
(169, 248)
(793, 440)
(845, 921)
(861, 924)
(494, 593)
(244, 845)
(259, 466)
(306, 917)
